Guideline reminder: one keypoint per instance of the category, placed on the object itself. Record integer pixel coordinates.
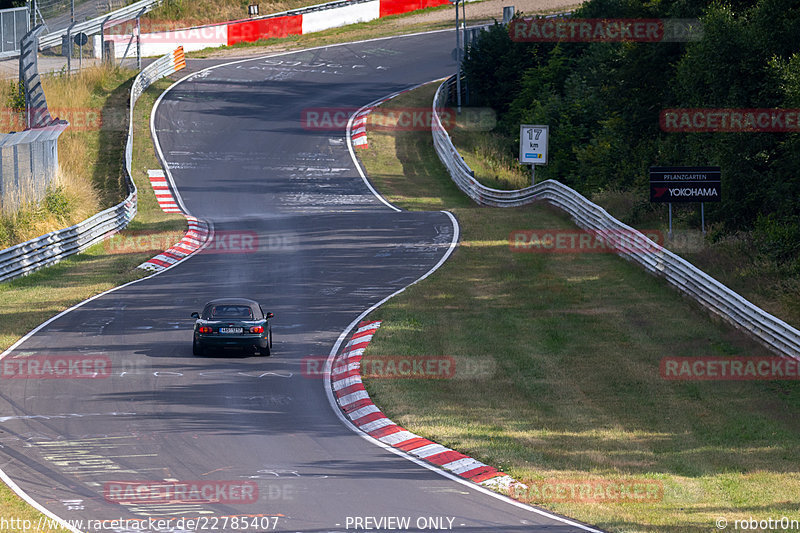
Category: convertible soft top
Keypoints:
(232, 308)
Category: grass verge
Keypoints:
(740, 261)
(569, 346)
(485, 154)
(27, 302)
(737, 260)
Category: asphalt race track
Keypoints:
(327, 250)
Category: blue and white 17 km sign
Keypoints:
(532, 144)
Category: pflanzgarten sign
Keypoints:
(685, 184)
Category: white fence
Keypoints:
(51, 248)
(774, 333)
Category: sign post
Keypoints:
(533, 141)
(669, 233)
(703, 217)
(80, 39)
(686, 184)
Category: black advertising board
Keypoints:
(685, 184)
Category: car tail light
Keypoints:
(206, 329)
(256, 329)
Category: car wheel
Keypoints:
(196, 348)
(262, 348)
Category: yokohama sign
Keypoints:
(685, 184)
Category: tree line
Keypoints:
(603, 102)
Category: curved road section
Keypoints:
(243, 443)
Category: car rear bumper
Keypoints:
(231, 340)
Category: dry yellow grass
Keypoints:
(89, 177)
(71, 200)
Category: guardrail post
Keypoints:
(703, 217)
(67, 43)
(139, 41)
(669, 233)
(103, 39)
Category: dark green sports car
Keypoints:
(232, 323)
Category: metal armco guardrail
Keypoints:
(93, 26)
(51, 248)
(771, 331)
(462, 175)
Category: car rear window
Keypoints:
(231, 311)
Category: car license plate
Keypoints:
(230, 330)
